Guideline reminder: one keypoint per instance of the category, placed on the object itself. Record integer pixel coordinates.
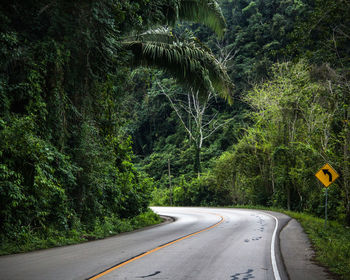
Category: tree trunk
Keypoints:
(346, 163)
(197, 161)
(170, 186)
(288, 198)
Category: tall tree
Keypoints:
(196, 117)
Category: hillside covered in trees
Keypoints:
(107, 106)
(289, 61)
(65, 85)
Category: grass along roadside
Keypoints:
(27, 241)
(331, 244)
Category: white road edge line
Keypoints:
(273, 255)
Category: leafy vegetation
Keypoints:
(332, 244)
(29, 240)
(288, 118)
(65, 161)
(88, 139)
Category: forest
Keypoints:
(109, 106)
(289, 61)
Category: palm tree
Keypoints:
(192, 63)
(207, 12)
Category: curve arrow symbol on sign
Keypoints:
(326, 172)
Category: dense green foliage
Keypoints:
(28, 241)
(258, 35)
(87, 141)
(289, 118)
(65, 162)
(291, 138)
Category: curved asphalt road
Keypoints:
(203, 243)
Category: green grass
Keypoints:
(331, 244)
(28, 241)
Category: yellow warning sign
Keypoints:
(327, 175)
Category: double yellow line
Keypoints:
(109, 270)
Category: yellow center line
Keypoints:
(154, 250)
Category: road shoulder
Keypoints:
(297, 254)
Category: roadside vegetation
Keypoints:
(66, 67)
(331, 244)
(110, 106)
(29, 241)
(291, 114)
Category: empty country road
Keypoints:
(202, 243)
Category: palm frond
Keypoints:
(188, 61)
(161, 34)
(207, 12)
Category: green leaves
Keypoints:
(259, 32)
(188, 60)
(207, 12)
(184, 56)
(63, 90)
(33, 179)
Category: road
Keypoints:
(202, 243)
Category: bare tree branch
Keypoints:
(194, 109)
(177, 112)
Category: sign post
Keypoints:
(327, 175)
(325, 209)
